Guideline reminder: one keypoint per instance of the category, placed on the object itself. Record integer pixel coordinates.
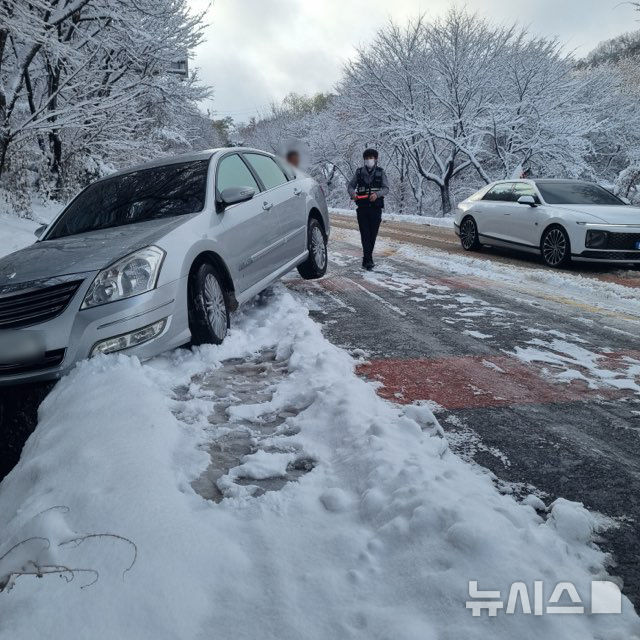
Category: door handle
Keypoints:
(267, 206)
(297, 192)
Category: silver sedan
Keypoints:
(156, 257)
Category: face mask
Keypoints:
(369, 163)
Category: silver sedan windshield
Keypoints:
(148, 194)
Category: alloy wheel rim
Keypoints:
(318, 248)
(215, 306)
(468, 233)
(554, 247)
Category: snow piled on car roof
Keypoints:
(379, 538)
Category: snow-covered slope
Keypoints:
(378, 540)
(17, 233)
(446, 222)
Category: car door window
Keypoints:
(525, 189)
(267, 169)
(287, 168)
(501, 193)
(233, 172)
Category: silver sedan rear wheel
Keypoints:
(318, 247)
(315, 266)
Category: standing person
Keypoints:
(367, 188)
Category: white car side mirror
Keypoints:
(529, 200)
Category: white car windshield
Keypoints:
(576, 193)
(148, 194)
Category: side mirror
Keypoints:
(529, 200)
(236, 195)
(40, 230)
(625, 200)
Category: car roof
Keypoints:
(564, 181)
(181, 158)
(537, 180)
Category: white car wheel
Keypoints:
(555, 247)
(469, 235)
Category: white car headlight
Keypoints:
(132, 275)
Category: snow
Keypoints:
(571, 362)
(477, 334)
(545, 283)
(430, 221)
(17, 233)
(379, 539)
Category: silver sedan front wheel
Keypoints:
(215, 305)
(208, 306)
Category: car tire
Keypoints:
(469, 235)
(555, 247)
(315, 266)
(209, 315)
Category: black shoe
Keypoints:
(369, 265)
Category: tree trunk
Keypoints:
(402, 186)
(4, 146)
(56, 159)
(445, 198)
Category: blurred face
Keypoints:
(369, 163)
(293, 158)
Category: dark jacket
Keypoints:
(366, 182)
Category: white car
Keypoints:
(562, 220)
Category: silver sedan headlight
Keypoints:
(132, 275)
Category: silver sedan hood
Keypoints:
(603, 213)
(82, 253)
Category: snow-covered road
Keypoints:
(264, 489)
(533, 374)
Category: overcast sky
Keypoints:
(257, 51)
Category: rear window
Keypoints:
(270, 173)
(576, 193)
(149, 194)
(501, 193)
(478, 195)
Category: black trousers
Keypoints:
(369, 219)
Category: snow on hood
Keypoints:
(379, 540)
(82, 253)
(601, 213)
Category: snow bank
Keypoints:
(17, 233)
(446, 222)
(546, 282)
(379, 540)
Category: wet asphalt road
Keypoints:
(477, 349)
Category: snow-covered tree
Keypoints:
(89, 82)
